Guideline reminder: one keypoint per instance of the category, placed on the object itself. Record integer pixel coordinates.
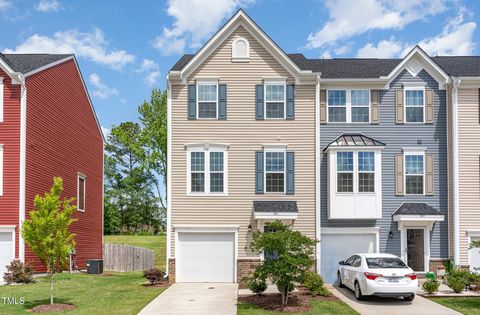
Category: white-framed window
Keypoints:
(275, 170)
(366, 172)
(81, 191)
(207, 100)
(414, 172)
(207, 170)
(345, 171)
(275, 100)
(240, 49)
(415, 104)
(355, 171)
(348, 106)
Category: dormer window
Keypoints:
(240, 50)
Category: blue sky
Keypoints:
(125, 48)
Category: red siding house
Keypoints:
(48, 128)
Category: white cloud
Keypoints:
(384, 49)
(455, 39)
(106, 131)
(101, 90)
(48, 5)
(348, 18)
(5, 5)
(194, 21)
(92, 46)
(151, 71)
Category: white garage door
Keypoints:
(474, 256)
(6, 254)
(337, 247)
(205, 257)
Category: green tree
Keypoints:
(289, 255)
(46, 231)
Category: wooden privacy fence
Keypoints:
(125, 258)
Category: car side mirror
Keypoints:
(341, 263)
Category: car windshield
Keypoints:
(385, 262)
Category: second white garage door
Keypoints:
(6, 250)
(337, 247)
(205, 257)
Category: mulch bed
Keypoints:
(297, 301)
(57, 307)
(160, 284)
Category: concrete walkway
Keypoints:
(195, 298)
(390, 306)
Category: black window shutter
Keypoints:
(259, 172)
(259, 102)
(290, 101)
(290, 173)
(192, 101)
(222, 101)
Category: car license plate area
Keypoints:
(393, 280)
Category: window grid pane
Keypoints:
(360, 114)
(414, 164)
(344, 182)
(216, 171)
(197, 161)
(337, 114)
(360, 98)
(366, 182)
(275, 161)
(414, 105)
(275, 182)
(207, 110)
(414, 114)
(216, 161)
(366, 161)
(216, 182)
(274, 93)
(198, 182)
(207, 92)
(414, 184)
(345, 161)
(337, 98)
(414, 97)
(275, 110)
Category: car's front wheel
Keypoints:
(339, 280)
(358, 292)
(409, 298)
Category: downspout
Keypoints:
(456, 193)
(23, 147)
(169, 172)
(318, 234)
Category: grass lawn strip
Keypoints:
(465, 305)
(115, 293)
(155, 243)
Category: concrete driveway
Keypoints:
(195, 298)
(381, 306)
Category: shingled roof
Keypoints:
(25, 63)
(368, 68)
(416, 209)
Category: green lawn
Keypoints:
(318, 307)
(155, 243)
(466, 305)
(119, 293)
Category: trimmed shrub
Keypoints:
(153, 275)
(456, 283)
(431, 286)
(255, 283)
(314, 283)
(18, 272)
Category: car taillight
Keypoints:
(411, 276)
(372, 276)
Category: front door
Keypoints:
(416, 249)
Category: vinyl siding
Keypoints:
(245, 135)
(62, 140)
(469, 169)
(396, 137)
(10, 138)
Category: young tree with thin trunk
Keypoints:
(46, 231)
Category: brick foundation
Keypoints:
(434, 264)
(171, 270)
(244, 267)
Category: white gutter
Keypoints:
(317, 174)
(169, 171)
(456, 193)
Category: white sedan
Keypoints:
(377, 274)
